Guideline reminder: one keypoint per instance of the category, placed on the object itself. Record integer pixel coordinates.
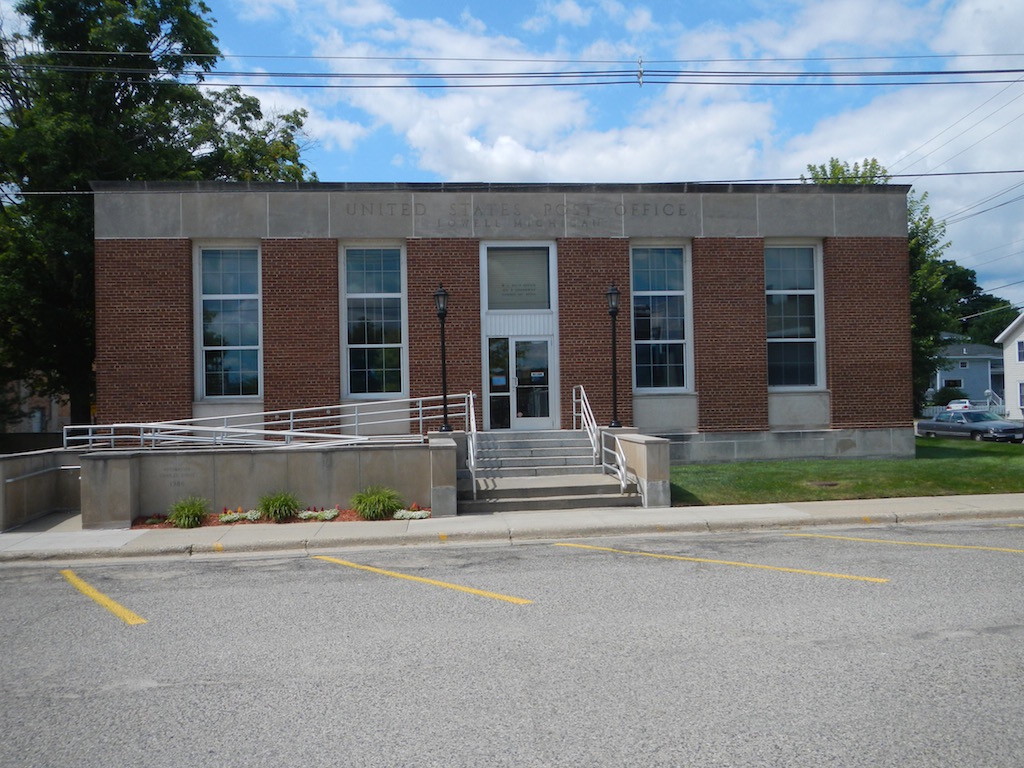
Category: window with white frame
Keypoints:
(793, 306)
(375, 323)
(1020, 351)
(230, 321)
(659, 276)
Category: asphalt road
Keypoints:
(885, 646)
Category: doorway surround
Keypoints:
(519, 335)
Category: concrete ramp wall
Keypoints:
(35, 484)
(118, 486)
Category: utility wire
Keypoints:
(464, 79)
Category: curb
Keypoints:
(500, 530)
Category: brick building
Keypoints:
(755, 320)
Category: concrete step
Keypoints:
(535, 450)
(513, 461)
(535, 471)
(516, 440)
(545, 503)
(573, 491)
(541, 486)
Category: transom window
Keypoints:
(230, 301)
(659, 317)
(375, 323)
(518, 278)
(793, 314)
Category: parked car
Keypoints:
(977, 425)
(958, 405)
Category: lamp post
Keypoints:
(441, 305)
(612, 294)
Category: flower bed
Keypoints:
(239, 517)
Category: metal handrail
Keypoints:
(471, 443)
(583, 417)
(324, 425)
(619, 469)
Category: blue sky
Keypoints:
(659, 131)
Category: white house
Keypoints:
(1012, 340)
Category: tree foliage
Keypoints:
(98, 90)
(941, 291)
(841, 172)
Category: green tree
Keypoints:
(941, 291)
(841, 172)
(985, 316)
(99, 90)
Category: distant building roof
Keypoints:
(1011, 329)
(964, 349)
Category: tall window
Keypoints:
(793, 309)
(230, 301)
(659, 317)
(374, 302)
(1020, 351)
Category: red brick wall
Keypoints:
(144, 333)
(730, 355)
(301, 332)
(586, 267)
(456, 264)
(867, 331)
(144, 369)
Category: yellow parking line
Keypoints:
(729, 562)
(446, 585)
(908, 543)
(91, 592)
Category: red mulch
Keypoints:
(344, 516)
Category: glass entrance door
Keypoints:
(519, 391)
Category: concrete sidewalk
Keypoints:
(60, 536)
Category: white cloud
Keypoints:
(570, 12)
(355, 13)
(867, 25)
(639, 21)
(981, 26)
(566, 12)
(264, 9)
(671, 133)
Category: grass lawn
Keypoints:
(943, 467)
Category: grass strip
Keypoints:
(942, 467)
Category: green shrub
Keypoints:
(278, 506)
(188, 513)
(944, 395)
(376, 503)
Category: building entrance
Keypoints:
(519, 386)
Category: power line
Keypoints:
(974, 125)
(576, 77)
(538, 59)
(1003, 308)
(1015, 282)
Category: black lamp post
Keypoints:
(441, 304)
(612, 294)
